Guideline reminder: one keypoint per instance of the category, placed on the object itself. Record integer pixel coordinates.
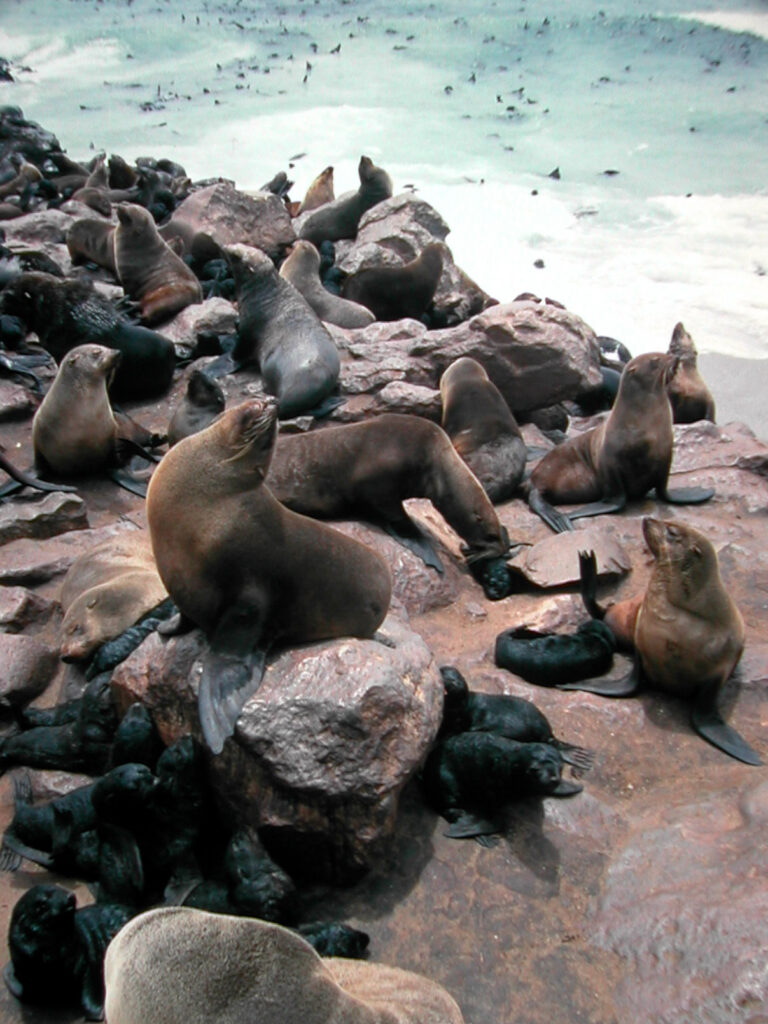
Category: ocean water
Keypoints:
(474, 104)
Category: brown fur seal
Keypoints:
(319, 192)
(482, 428)
(148, 270)
(183, 966)
(688, 634)
(93, 240)
(106, 590)
(75, 431)
(394, 293)
(26, 173)
(372, 467)
(340, 218)
(296, 355)
(302, 269)
(624, 457)
(244, 568)
(202, 402)
(690, 397)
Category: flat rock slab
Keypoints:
(554, 561)
(42, 516)
(32, 562)
(22, 609)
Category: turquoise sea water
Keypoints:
(474, 104)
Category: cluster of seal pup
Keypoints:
(234, 509)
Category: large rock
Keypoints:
(40, 226)
(21, 609)
(554, 561)
(231, 217)
(16, 403)
(31, 562)
(45, 515)
(215, 315)
(324, 748)
(536, 355)
(28, 667)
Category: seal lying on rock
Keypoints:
(302, 269)
(189, 967)
(690, 397)
(551, 659)
(340, 218)
(688, 633)
(397, 292)
(247, 570)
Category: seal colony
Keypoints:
(232, 511)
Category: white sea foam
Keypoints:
(753, 22)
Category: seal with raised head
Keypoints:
(624, 457)
(319, 192)
(186, 966)
(68, 312)
(297, 356)
(247, 570)
(370, 468)
(148, 269)
(302, 269)
(482, 428)
(688, 633)
(203, 401)
(340, 218)
(397, 292)
(690, 397)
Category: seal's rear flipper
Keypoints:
(468, 826)
(411, 537)
(566, 788)
(115, 651)
(588, 573)
(554, 518)
(686, 495)
(599, 508)
(326, 407)
(707, 722)
(578, 757)
(13, 851)
(24, 478)
(624, 687)
(128, 481)
(222, 366)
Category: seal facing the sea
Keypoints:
(296, 355)
(396, 292)
(244, 568)
(690, 397)
(482, 428)
(340, 218)
(302, 269)
(625, 456)
(319, 192)
(688, 633)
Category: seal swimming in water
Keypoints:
(340, 218)
(482, 428)
(624, 457)
(189, 967)
(247, 570)
(302, 269)
(202, 402)
(688, 633)
(396, 292)
(148, 269)
(296, 355)
(690, 397)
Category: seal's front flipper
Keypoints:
(624, 687)
(126, 447)
(566, 788)
(600, 508)
(222, 366)
(233, 668)
(128, 481)
(177, 625)
(12, 983)
(553, 517)
(14, 850)
(113, 652)
(685, 495)
(707, 722)
(588, 573)
(469, 826)
(578, 757)
(411, 537)
(121, 869)
(326, 407)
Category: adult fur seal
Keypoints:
(482, 428)
(690, 397)
(319, 192)
(70, 312)
(340, 218)
(372, 467)
(296, 355)
(148, 269)
(247, 570)
(183, 966)
(92, 240)
(624, 457)
(302, 269)
(396, 292)
(203, 401)
(688, 635)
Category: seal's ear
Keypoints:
(124, 215)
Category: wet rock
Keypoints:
(323, 749)
(232, 217)
(554, 561)
(215, 316)
(31, 562)
(28, 667)
(21, 608)
(45, 515)
(16, 403)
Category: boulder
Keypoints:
(21, 608)
(41, 226)
(16, 402)
(216, 316)
(31, 562)
(554, 561)
(28, 667)
(41, 516)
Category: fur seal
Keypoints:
(482, 428)
(247, 570)
(32, 831)
(468, 778)
(302, 269)
(340, 218)
(690, 397)
(624, 457)
(70, 312)
(373, 466)
(92, 240)
(189, 967)
(319, 192)
(57, 951)
(688, 633)
(550, 659)
(75, 431)
(397, 292)
(148, 269)
(203, 401)
(296, 355)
